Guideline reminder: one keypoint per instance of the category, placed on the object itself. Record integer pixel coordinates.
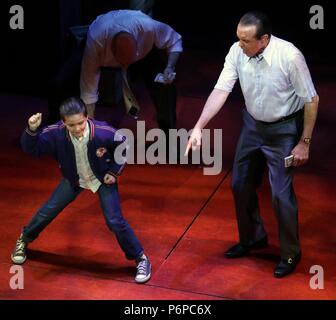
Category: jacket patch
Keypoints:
(100, 152)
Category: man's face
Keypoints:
(248, 42)
(76, 124)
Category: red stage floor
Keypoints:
(185, 220)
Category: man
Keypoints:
(84, 149)
(124, 37)
(278, 121)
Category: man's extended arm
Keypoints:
(213, 104)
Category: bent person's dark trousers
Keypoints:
(164, 96)
(273, 142)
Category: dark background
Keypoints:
(31, 56)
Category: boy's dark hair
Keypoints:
(72, 106)
(258, 19)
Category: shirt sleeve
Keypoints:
(38, 142)
(167, 38)
(229, 74)
(300, 77)
(90, 73)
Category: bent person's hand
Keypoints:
(109, 179)
(169, 75)
(91, 110)
(194, 141)
(34, 121)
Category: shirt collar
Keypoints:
(267, 54)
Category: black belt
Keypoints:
(291, 116)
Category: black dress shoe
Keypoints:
(286, 267)
(240, 250)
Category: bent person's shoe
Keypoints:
(19, 254)
(144, 271)
(240, 250)
(286, 267)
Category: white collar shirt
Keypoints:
(275, 84)
(87, 179)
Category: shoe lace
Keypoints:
(142, 267)
(20, 246)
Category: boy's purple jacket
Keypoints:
(55, 140)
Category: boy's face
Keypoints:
(76, 124)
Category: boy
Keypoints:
(84, 149)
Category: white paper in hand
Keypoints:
(161, 78)
(289, 161)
